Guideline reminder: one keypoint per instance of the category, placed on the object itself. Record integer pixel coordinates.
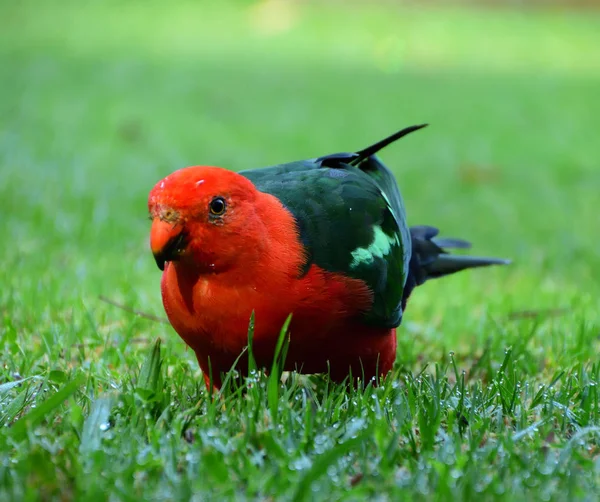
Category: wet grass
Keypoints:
(495, 391)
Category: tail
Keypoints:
(380, 145)
(430, 259)
(356, 158)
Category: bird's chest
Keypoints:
(212, 315)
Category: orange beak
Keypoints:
(167, 241)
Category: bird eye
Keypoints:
(217, 206)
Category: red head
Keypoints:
(205, 217)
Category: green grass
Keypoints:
(99, 100)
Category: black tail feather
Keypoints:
(373, 149)
(338, 160)
(430, 259)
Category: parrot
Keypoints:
(325, 241)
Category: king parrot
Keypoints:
(325, 240)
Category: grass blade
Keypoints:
(319, 467)
(96, 424)
(44, 410)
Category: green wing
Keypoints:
(351, 220)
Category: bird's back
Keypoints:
(351, 221)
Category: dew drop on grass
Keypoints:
(300, 464)
(456, 473)
(104, 426)
(320, 439)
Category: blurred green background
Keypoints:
(99, 100)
